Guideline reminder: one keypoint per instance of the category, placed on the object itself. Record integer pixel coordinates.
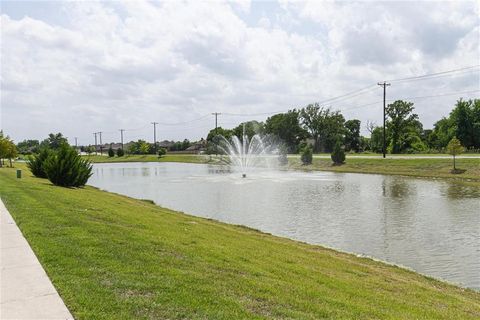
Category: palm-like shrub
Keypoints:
(35, 163)
(338, 155)
(66, 168)
(307, 155)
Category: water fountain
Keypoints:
(245, 154)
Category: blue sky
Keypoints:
(82, 67)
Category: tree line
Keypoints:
(324, 128)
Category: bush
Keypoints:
(111, 153)
(35, 163)
(307, 155)
(66, 168)
(338, 155)
(162, 152)
(120, 152)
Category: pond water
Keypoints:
(431, 226)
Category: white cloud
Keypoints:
(124, 64)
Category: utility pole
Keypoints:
(384, 85)
(121, 136)
(76, 143)
(216, 114)
(95, 134)
(155, 136)
(101, 145)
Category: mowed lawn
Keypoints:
(409, 166)
(189, 158)
(113, 257)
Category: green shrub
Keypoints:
(111, 153)
(338, 155)
(35, 163)
(120, 152)
(66, 168)
(307, 155)
(162, 152)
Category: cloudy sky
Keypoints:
(82, 67)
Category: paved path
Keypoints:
(25, 289)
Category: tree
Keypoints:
(226, 133)
(286, 126)
(376, 140)
(352, 135)
(35, 163)
(28, 146)
(462, 122)
(251, 128)
(8, 150)
(338, 155)
(89, 150)
(402, 126)
(139, 147)
(120, 152)
(54, 141)
(306, 155)
(111, 153)
(162, 152)
(144, 147)
(324, 126)
(66, 168)
(466, 118)
(454, 148)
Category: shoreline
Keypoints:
(106, 229)
(428, 168)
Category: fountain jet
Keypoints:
(244, 154)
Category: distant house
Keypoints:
(166, 144)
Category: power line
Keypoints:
(411, 98)
(434, 75)
(184, 122)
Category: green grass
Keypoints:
(113, 257)
(190, 158)
(432, 168)
(409, 166)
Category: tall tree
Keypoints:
(402, 126)
(54, 141)
(325, 126)
(352, 135)
(226, 133)
(28, 146)
(8, 150)
(251, 128)
(286, 126)
(466, 117)
(376, 140)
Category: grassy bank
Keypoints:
(418, 167)
(406, 165)
(113, 257)
(189, 158)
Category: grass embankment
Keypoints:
(418, 167)
(406, 165)
(189, 158)
(113, 257)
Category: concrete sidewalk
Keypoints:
(25, 289)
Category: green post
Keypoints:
(19, 174)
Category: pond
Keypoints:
(430, 226)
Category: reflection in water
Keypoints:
(430, 226)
